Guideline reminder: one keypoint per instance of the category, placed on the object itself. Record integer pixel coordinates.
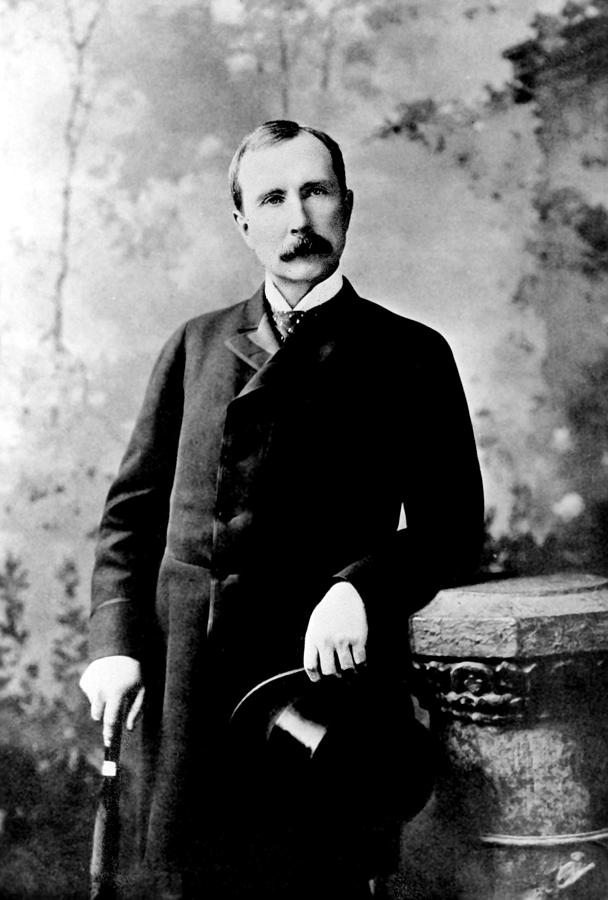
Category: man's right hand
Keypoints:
(108, 683)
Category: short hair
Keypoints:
(274, 132)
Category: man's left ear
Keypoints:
(349, 199)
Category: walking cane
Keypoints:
(106, 833)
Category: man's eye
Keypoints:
(318, 191)
(273, 200)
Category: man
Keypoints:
(292, 492)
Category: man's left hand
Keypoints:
(336, 637)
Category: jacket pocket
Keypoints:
(220, 592)
(183, 596)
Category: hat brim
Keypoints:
(254, 712)
(352, 737)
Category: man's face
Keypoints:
(295, 216)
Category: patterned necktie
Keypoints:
(287, 322)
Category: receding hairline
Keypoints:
(278, 131)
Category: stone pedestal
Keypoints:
(514, 673)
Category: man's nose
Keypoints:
(299, 219)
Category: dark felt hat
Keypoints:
(354, 739)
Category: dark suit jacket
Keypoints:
(250, 483)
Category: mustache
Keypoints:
(306, 245)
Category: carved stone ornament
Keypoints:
(501, 692)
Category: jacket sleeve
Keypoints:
(441, 491)
(133, 526)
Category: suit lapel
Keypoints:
(254, 342)
(292, 367)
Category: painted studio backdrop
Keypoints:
(476, 142)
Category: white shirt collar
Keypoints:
(317, 295)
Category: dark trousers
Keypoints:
(283, 862)
(307, 858)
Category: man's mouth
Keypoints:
(306, 245)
